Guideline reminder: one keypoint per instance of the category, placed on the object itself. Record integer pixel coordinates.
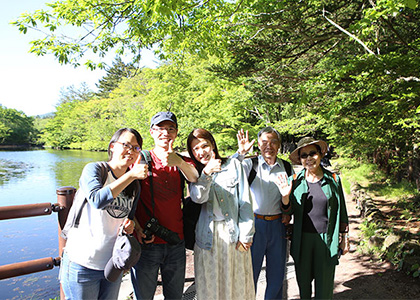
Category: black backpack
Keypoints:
(253, 171)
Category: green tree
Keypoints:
(15, 127)
(98, 27)
(56, 133)
(372, 112)
(199, 99)
(113, 77)
(346, 70)
(73, 93)
(350, 66)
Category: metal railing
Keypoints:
(65, 197)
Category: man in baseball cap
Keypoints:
(162, 197)
(163, 116)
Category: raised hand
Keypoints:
(139, 170)
(214, 165)
(283, 185)
(244, 145)
(170, 158)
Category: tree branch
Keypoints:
(348, 33)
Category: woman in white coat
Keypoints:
(224, 231)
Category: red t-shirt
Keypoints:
(167, 195)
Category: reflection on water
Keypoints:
(11, 169)
(32, 177)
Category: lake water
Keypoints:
(33, 177)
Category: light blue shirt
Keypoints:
(229, 188)
(266, 196)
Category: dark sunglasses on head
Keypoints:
(311, 154)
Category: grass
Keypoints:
(406, 205)
(373, 180)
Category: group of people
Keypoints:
(245, 205)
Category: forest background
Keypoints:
(343, 71)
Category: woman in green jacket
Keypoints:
(320, 234)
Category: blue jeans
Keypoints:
(79, 282)
(270, 241)
(171, 260)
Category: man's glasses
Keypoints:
(130, 147)
(311, 154)
(271, 142)
(167, 129)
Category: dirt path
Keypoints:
(359, 277)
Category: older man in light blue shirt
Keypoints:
(270, 231)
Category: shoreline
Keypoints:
(21, 146)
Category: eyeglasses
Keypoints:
(130, 147)
(167, 129)
(271, 142)
(311, 154)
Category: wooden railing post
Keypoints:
(65, 196)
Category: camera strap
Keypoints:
(145, 155)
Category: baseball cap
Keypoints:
(163, 116)
(125, 255)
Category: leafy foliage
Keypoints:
(344, 71)
(348, 71)
(192, 92)
(113, 77)
(72, 93)
(74, 28)
(16, 127)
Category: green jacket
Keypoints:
(337, 212)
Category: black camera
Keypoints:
(153, 227)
